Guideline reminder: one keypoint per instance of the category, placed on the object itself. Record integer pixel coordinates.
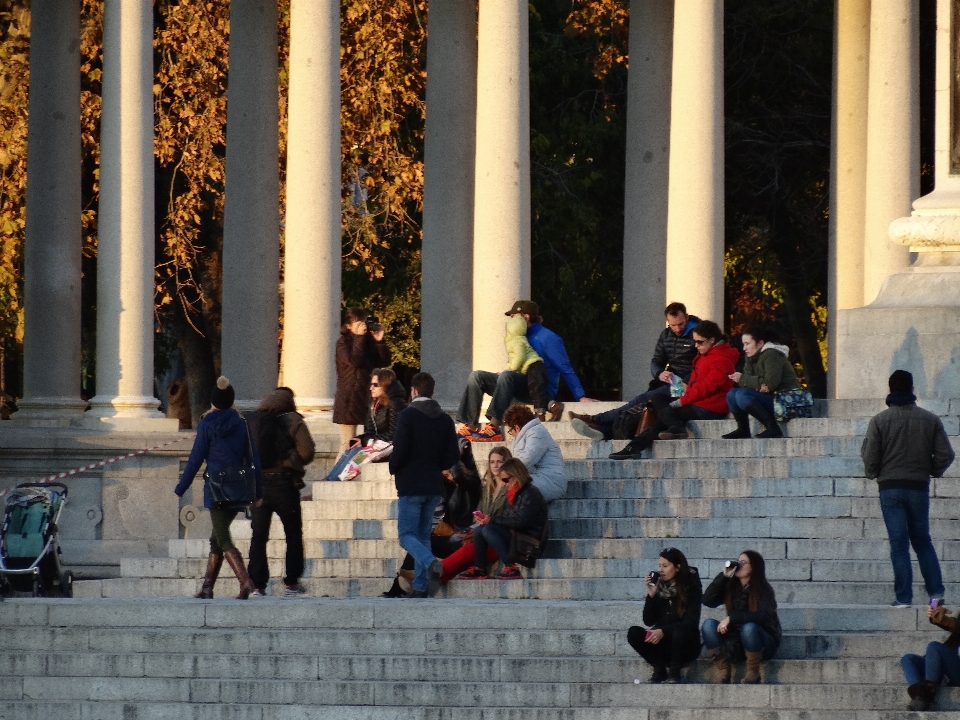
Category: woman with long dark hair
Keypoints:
(751, 628)
(671, 613)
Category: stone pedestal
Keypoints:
(51, 254)
(311, 288)
(446, 315)
(695, 218)
(645, 192)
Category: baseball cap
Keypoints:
(524, 307)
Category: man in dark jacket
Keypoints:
(285, 447)
(424, 445)
(674, 354)
(903, 447)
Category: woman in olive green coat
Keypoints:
(766, 371)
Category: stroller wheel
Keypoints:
(66, 583)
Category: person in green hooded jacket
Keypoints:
(523, 359)
(767, 370)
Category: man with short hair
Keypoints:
(508, 387)
(424, 445)
(674, 354)
(904, 446)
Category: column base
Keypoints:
(49, 412)
(128, 414)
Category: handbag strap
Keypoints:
(246, 427)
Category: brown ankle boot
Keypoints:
(721, 666)
(214, 562)
(753, 668)
(235, 559)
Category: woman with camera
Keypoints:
(924, 674)
(671, 613)
(751, 628)
(360, 348)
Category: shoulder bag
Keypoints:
(526, 549)
(789, 404)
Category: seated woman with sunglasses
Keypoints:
(671, 613)
(387, 399)
(703, 398)
(525, 511)
(751, 627)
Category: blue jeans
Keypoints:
(342, 462)
(753, 637)
(939, 661)
(606, 419)
(739, 398)
(906, 515)
(414, 525)
(504, 388)
(496, 537)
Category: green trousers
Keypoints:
(220, 540)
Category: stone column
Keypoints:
(893, 136)
(311, 288)
(695, 216)
(125, 256)
(251, 214)
(848, 171)
(51, 344)
(446, 316)
(501, 226)
(647, 179)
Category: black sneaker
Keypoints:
(633, 451)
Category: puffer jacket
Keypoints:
(660, 613)
(520, 354)
(223, 442)
(905, 445)
(769, 366)
(539, 452)
(527, 514)
(677, 351)
(356, 357)
(710, 381)
(740, 614)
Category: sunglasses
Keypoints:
(374, 384)
(701, 342)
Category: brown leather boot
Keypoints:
(555, 409)
(721, 666)
(214, 562)
(753, 668)
(235, 559)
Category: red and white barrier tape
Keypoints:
(101, 463)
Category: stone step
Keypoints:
(139, 710)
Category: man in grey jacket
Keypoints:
(904, 446)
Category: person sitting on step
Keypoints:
(703, 398)
(493, 496)
(751, 628)
(534, 446)
(924, 674)
(671, 614)
(765, 372)
(673, 355)
(525, 512)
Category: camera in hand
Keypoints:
(654, 577)
(372, 321)
(735, 564)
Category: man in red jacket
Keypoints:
(703, 398)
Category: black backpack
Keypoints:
(273, 439)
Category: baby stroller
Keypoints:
(29, 543)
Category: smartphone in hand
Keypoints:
(479, 515)
(935, 603)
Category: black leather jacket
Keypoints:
(676, 351)
(528, 514)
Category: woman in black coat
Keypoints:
(671, 613)
(358, 352)
(751, 628)
(387, 398)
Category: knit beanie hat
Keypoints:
(222, 395)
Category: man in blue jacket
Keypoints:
(508, 387)
(424, 445)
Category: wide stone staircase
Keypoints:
(550, 646)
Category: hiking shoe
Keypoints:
(509, 572)
(586, 429)
(488, 433)
(555, 408)
(295, 589)
(474, 573)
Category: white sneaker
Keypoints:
(581, 427)
(258, 593)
